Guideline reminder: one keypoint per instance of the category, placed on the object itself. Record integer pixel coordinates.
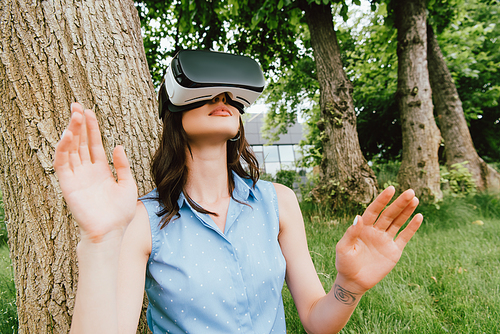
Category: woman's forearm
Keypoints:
(95, 306)
(330, 313)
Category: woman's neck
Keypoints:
(207, 180)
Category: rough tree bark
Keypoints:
(448, 106)
(344, 171)
(51, 54)
(421, 138)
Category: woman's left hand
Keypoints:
(369, 250)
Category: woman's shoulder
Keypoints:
(151, 201)
(150, 196)
(283, 191)
(137, 237)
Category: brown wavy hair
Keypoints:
(169, 170)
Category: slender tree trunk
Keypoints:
(421, 138)
(457, 139)
(51, 54)
(345, 173)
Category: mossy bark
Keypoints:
(345, 174)
(421, 137)
(451, 119)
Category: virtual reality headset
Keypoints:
(195, 77)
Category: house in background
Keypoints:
(282, 154)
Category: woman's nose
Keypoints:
(220, 98)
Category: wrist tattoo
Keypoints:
(344, 296)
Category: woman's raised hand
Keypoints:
(369, 249)
(101, 205)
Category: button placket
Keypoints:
(242, 303)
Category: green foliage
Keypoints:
(372, 67)
(8, 310)
(168, 26)
(386, 173)
(496, 166)
(287, 177)
(312, 144)
(242, 27)
(266, 177)
(374, 76)
(307, 188)
(457, 181)
(275, 33)
(471, 48)
(336, 197)
(443, 12)
(468, 36)
(293, 93)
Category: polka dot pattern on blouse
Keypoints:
(200, 279)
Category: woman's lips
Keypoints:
(220, 111)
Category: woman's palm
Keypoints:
(99, 203)
(369, 250)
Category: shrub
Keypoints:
(386, 173)
(457, 181)
(266, 177)
(287, 177)
(495, 165)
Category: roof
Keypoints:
(253, 134)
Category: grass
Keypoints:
(447, 281)
(8, 311)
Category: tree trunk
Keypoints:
(54, 53)
(421, 138)
(457, 139)
(345, 174)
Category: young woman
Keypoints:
(212, 245)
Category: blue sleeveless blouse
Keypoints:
(200, 279)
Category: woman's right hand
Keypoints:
(101, 205)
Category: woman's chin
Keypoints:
(211, 138)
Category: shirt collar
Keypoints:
(181, 200)
(242, 190)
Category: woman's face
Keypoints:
(214, 121)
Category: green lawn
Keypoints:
(447, 281)
(8, 312)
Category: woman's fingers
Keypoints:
(61, 158)
(96, 148)
(409, 231)
(81, 141)
(82, 135)
(373, 210)
(393, 228)
(75, 125)
(88, 135)
(122, 166)
(394, 210)
(352, 234)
